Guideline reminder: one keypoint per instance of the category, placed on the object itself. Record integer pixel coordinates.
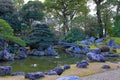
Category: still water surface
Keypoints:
(34, 63)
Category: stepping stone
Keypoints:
(69, 78)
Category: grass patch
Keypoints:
(116, 39)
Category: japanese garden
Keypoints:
(59, 39)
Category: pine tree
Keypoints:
(40, 36)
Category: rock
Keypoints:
(58, 70)
(114, 55)
(86, 42)
(92, 39)
(118, 46)
(41, 53)
(76, 50)
(18, 74)
(96, 51)
(82, 64)
(50, 51)
(66, 67)
(22, 53)
(84, 49)
(69, 78)
(35, 52)
(105, 49)
(95, 57)
(6, 56)
(111, 43)
(5, 70)
(99, 40)
(51, 72)
(106, 54)
(35, 75)
(106, 67)
(66, 44)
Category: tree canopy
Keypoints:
(6, 33)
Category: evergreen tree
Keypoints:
(40, 36)
(6, 33)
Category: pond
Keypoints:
(34, 63)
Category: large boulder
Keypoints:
(95, 57)
(96, 51)
(84, 49)
(76, 50)
(82, 64)
(51, 51)
(111, 43)
(99, 40)
(22, 53)
(6, 56)
(35, 52)
(35, 75)
(51, 72)
(86, 42)
(18, 74)
(69, 78)
(92, 39)
(5, 70)
(58, 70)
(66, 67)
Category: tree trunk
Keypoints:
(99, 20)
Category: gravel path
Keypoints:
(109, 75)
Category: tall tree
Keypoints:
(106, 15)
(8, 12)
(31, 11)
(98, 9)
(65, 11)
(40, 36)
(6, 6)
(18, 4)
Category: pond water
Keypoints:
(34, 64)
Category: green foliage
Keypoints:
(65, 11)
(6, 32)
(116, 28)
(40, 36)
(116, 39)
(6, 6)
(88, 23)
(33, 10)
(14, 22)
(9, 13)
(18, 3)
(75, 34)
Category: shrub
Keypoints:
(40, 36)
(6, 33)
(75, 34)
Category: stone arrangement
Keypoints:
(48, 52)
(5, 70)
(69, 78)
(82, 64)
(35, 75)
(106, 67)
